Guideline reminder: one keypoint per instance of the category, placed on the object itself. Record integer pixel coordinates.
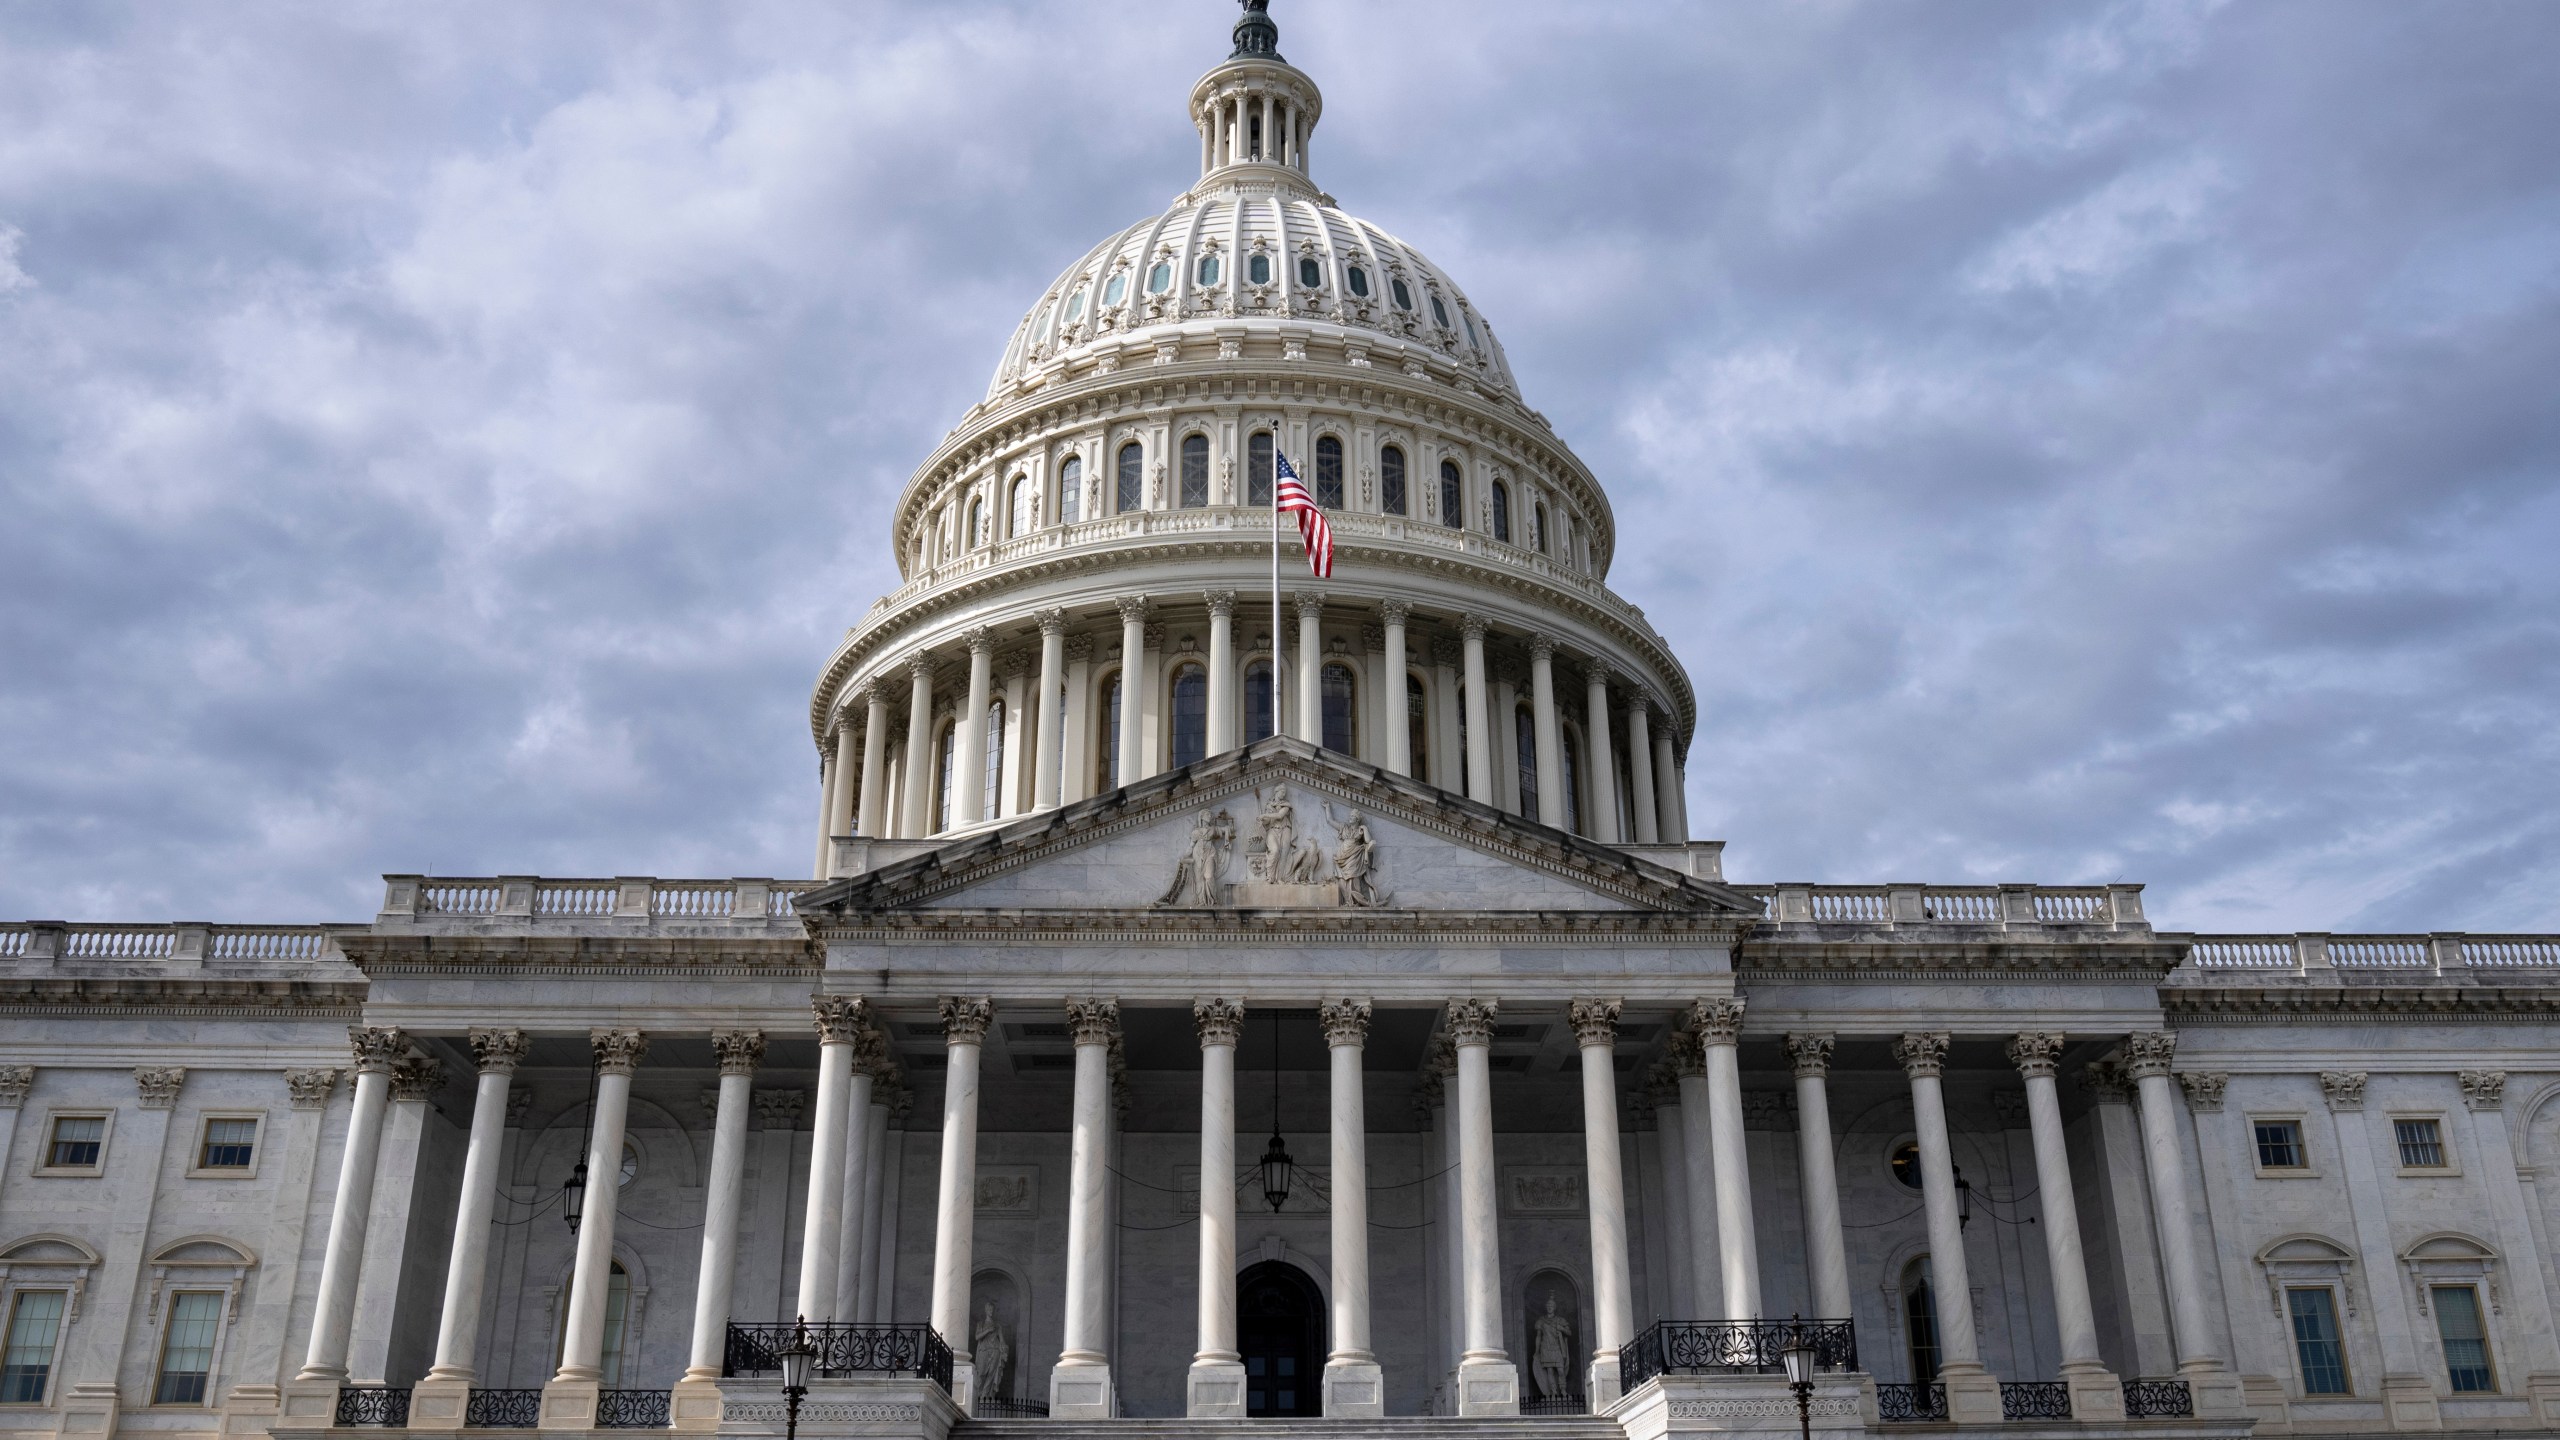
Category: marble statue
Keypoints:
(1355, 864)
(1551, 1352)
(1285, 859)
(1200, 876)
(992, 1353)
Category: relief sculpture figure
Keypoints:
(1200, 876)
(1285, 859)
(1355, 864)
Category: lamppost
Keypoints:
(1800, 1358)
(795, 1375)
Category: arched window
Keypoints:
(1257, 268)
(942, 778)
(987, 806)
(1417, 723)
(1453, 495)
(1501, 512)
(1329, 473)
(1391, 481)
(1208, 269)
(1160, 277)
(1538, 528)
(1257, 466)
(1336, 694)
(1195, 471)
(1524, 734)
(1310, 273)
(1110, 746)
(1071, 490)
(1190, 715)
(1018, 518)
(1920, 1321)
(1133, 478)
(1572, 783)
(1357, 279)
(1257, 701)
(977, 522)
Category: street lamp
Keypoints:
(573, 1195)
(795, 1359)
(1800, 1359)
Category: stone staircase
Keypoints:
(1399, 1427)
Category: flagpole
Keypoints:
(1279, 664)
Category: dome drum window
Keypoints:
(1075, 306)
(1403, 296)
(1070, 490)
(1257, 467)
(1439, 312)
(1131, 482)
(1208, 271)
(1160, 277)
(1329, 473)
(1116, 289)
(1257, 269)
(1310, 273)
(1195, 471)
(1391, 481)
(1355, 277)
(1453, 495)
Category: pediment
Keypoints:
(1278, 826)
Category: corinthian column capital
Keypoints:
(965, 1019)
(1922, 1052)
(498, 1051)
(839, 1018)
(1717, 1021)
(1595, 1022)
(1093, 1022)
(2149, 1052)
(378, 1048)
(1810, 1052)
(739, 1051)
(1471, 1021)
(1346, 1022)
(617, 1052)
(2036, 1053)
(1219, 1022)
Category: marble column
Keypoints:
(1595, 1032)
(1488, 1384)
(969, 736)
(1354, 1387)
(2215, 1388)
(1482, 743)
(1392, 702)
(1642, 803)
(573, 1398)
(1666, 781)
(1216, 1387)
(874, 806)
(840, 1020)
(1698, 1160)
(1080, 1385)
(2483, 1097)
(1600, 787)
(870, 1053)
(696, 1401)
(964, 1033)
(378, 1052)
(919, 817)
(827, 774)
(1310, 695)
(1973, 1396)
(1045, 722)
(1547, 735)
(1222, 674)
(840, 803)
(1718, 1025)
(1133, 688)
(1826, 1245)
(1448, 1215)
(870, 1294)
(1670, 1138)
(437, 1402)
(2096, 1392)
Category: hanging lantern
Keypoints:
(1275, 1172)
(1964, 1200)
(573, 1195)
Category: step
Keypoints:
(1395, 1427)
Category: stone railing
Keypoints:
(409, 898)
(2005, 907)
(2351, 956)
(166, 947)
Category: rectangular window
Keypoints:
(2466, 1343)
(2280, 1145)
(186, 1352)
(2315, 1341)
(26, 1364)
(77, 1141)
(229, 1144)
(2421, 1143)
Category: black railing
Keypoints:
(1555, 1405)
(1007, 1407)
(842, 1350)
(2035, 1400)
(503, 1410)
(631, 1410)
(1759, 1345)
(2158, 1400)
(373, 1405)
(1909, 1403)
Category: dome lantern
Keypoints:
(1256, 109)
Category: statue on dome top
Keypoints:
(1255, 35)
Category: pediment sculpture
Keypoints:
(1284, 869)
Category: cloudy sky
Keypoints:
(2067, 442)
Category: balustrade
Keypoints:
(2158, 1400)
(1759, 1346)
(842, 1349)
(502, 1410)
(1905, 1404)
(631, 1410)
(373, 1405)
(2035, 1400)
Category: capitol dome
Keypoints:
(1087, 591)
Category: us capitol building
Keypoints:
(1142, 1061)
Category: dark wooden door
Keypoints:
(1280, 1330)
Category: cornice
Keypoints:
(2026, 959)
(1263, 927)
(706, 956)
(192, 996)
(2437, 1003)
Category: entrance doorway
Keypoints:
(1280, 1330)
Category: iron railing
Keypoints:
(1757, 1345)
(503, 1410)
(2158, 1400)
(1555, 1405)
(1905, 1403)
(842, 1350)
(373, 1405)
(1008, 1407)
(631, 1410)
(2035, 1400)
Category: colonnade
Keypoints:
(1473, 680)
(1700, 1119)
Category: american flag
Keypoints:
(1291, 494)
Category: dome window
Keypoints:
(1471, 330)
(1195, 471)
(1329, 473)
(1453, 507)
(1501, 511)
(1075, 306)
(1208, 269)
(1358, 280)
(1310, 273)
(1391, 480)
(1040, 329)
(1257, 468)
(1257, 270)
(1116, 289)
(1439, 312)
(1132, 478)
(1071, 490)
(1404, 297)
(1160, 279)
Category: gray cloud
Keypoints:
(2066, 443)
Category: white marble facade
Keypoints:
(1083, 928)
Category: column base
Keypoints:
(93, 1407)
(2219, 1394)
(571, 1404)
(964, 1384)
(2544, 1392)
(309, 1405)
(2408, 1403)
(1354, 1390)
(1486, 1388)
(1215, 1390)
(2096, 1392)
(1601, 1382)
(251, 1409)
(1973, 1395)
(438, 1404)
(694, 1405)
(1080, 1390)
